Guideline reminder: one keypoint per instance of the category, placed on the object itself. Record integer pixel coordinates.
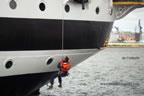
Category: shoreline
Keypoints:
(125, 45)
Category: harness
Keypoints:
(65, 66)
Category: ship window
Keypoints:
(9, 64)
(42, 6)
(97, 10)
(49, 61)
(13, 4)
(67, 8)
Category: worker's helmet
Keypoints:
(66, 59)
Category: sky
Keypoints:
(129, 22)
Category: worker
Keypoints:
(64, 66)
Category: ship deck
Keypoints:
(128, 2)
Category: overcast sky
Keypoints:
(129, 22)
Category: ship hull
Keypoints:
(30, 43)
(36, 34)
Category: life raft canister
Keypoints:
(82, 2)
(65, 66)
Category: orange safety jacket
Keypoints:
(65, 66)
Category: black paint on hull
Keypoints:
(85, 34)
(17, 34)
(23, 85)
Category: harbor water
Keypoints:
(110, 72)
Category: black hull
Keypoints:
(42, 34)
(22, 85)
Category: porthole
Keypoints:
(67, 8)
(42, 6)
(8, 64)
(97, 10)
(49, 61)
(13, 4)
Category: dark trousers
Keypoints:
(59, 75)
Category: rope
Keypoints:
(62, 31)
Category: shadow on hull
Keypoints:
(23, 85)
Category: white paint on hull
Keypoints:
(28, 62)
(55, 10)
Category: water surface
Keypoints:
(111, 72)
